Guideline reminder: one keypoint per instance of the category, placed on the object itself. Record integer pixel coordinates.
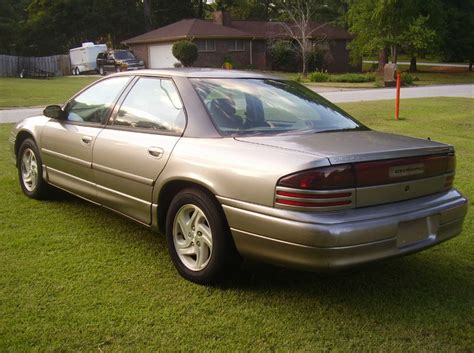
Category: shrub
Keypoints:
(353, 78)
(282, 55)
(186, 52)
(318, 76)
(406, 78)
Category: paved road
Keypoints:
(422, 63)
(14, 115)
(409, 92)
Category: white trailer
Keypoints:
(83, 59)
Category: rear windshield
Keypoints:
(267, 106)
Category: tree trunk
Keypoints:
(413, 63)
(147, 14)
(394, 54)
(382, 60)
(305, 66)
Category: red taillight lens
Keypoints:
(326, 178)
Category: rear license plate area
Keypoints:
(411, 232)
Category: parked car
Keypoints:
(83, 59)
(235, 164)
(117, 61)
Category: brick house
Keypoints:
(247, 43)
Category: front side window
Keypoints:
(94, 104)
(267, 106)
(152, 104)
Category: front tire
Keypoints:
(30, 171)
(199, 239)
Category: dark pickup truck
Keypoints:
(117, 61)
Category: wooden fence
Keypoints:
(59, 65)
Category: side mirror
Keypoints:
(54, 112)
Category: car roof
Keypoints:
(202, 73)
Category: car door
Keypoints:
(67, 144)
(130, 153)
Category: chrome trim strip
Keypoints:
(122, 194)
(67, 158)
(123, 174)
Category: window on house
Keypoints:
(206, 45)
(236, 45)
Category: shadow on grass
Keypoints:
(402, 287)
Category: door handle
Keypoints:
(86, 139)
(156, 152)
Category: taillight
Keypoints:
(320, 188)
(333, 187)
(326, 178)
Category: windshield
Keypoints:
(124, 55)
(267, 106)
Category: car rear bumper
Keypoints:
(339, 239)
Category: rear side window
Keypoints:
(152, 104)
(93, 105)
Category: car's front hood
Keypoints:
(352, 146)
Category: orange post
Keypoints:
(397, 103)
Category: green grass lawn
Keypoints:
(75, 277)
(15, 92)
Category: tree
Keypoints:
(393, 24)
(186, 52)
(457, 36)
(417, 38)
(12, 16)
(301, 28)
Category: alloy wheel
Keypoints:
(192, 237)
(29, 170)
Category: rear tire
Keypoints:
(199, 240)
(30, 171)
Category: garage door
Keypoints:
(161, 56)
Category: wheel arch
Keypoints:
(170, 189)
(21, 136)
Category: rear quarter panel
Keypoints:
(233, 169)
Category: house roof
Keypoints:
(188, 28)
(266, 29)
(197, 28)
